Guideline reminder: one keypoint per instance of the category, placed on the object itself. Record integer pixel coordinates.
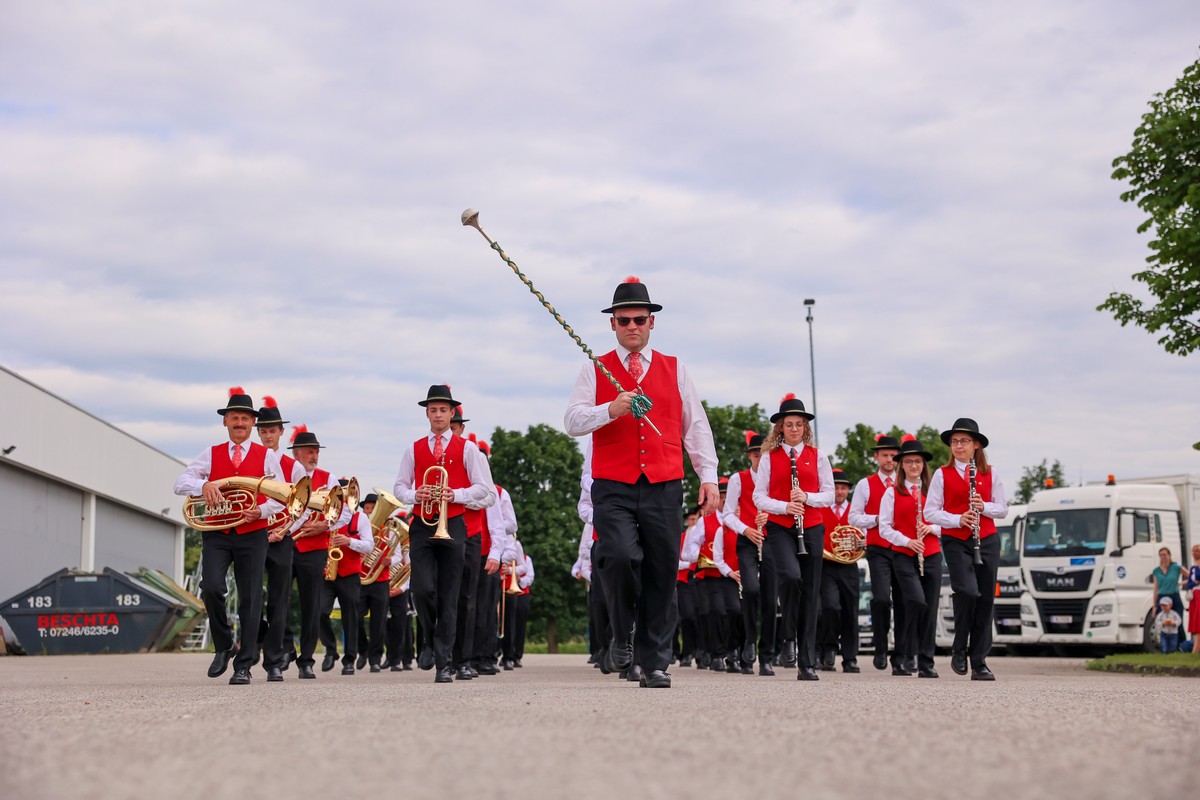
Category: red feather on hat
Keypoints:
(268, 401)
(471, 436)
(750, 435)
(296, 431)
(908, 437)
(786, 397)
(878, 436)
(632, 279)
(236, 390)
(449, 388)
(485, 448)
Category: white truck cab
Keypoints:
(1007, 611)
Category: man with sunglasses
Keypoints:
(637, 486)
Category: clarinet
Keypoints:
(801, 550)
(974, 525)
(920, 536)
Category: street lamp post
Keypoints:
(812, 365)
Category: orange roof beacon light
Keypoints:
(1049, 483)
(1112, 480)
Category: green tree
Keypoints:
(540, 469)
(1033, 480)
(1163, 171)
(856, 455)
(729, 425)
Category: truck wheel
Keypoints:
(1149, 645)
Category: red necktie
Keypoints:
(438, 449)
(887, 484)
(635, 366)
(237, 456)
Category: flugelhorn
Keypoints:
(238, 496)
(433, 512)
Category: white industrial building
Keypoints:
(76, 491)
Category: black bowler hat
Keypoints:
(632, 293)
(965, 425)
(885, 442)
(238, 401)
(839, 476)
(269, 414)
(911, 447)
(722, 483)
(438, 393)
(754, 441)
(789, 406)
(457, 416)
(370, 498)
(302, 438)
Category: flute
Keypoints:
(920, 536)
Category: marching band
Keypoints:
(763, 573)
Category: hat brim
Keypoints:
(450, 400)
(877, 448)
(653, 307)
(781, 414)
(265, 423)
(251, 411)
(842, 481)
(298, 446)
(979, 437)
(923, 454)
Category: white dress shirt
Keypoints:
(583, 562)
(191, 482)
(480, 494)
(525, 573)
(887, 516)
(859, 517)
(823, 497)
(363, 541)
(584, 507)
(502, 525)
(692, 543)
(935, 501)
(584, 416)
(719, 554)
(729, 514)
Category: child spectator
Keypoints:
(1168, 622)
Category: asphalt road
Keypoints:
(140, 726)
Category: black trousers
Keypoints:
(919, 594)
(309, 569)
(637, 557)
(400, 648)
(515, 623)
(437, 573)
(974, 595)
(464, 638)
(278, 601)
(884, 587)
(686, 603)
(760, 596)
(799, 585)
(598, 613)
(247, 552)
(346, 591)
(722, 608)
(487, 633)
(372, 620)
(839, 609)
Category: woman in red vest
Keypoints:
(917, 559)
(789, 450)
(951, 505)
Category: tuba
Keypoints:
(238, 496)
(390, 533)
(433, 512)
(849, 545)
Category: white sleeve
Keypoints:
(191, 482)
(692, 544)
(859, 517)
(526, 579)
(823, 497)
(998, 507)
(719, 554)
(887, 513)
(482, 491)
(729, 514)
(583, 415)
(697, 433)
(404, 487)
(362, 541)
(935, 512)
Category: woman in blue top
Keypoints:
(1166, 579)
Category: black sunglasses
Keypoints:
(624, 321)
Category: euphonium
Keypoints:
(280, 521)
(398, 578)
(849, 545)
(328, 503)
(238, 496)
(436, 478)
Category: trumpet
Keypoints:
(433, 512)
(801, 550)
(238, 496)
(971, 479)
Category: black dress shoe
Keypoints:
(927, 672)
(880, 660)
(288, 659)
(634, 673)
(444, 675)
(982, 674)
(620, 656)
(374, 668)
(851, 667)
(655, 679)
(306, 671)
(747, 668)
(911, 664)
(274, 674)
(362, 661)
(328, 662)
(517, 663)
(827, 667)
(397, 668)
(748, 654)
(765, 668)
(731, 665)
(407, 666)
(602, 661)
(958, 662)
(807, 674)
(828, 658)
(592, 658)
(776, 661)
(507, 665)
(348, 669)
(463, 673)
(474, 672)
(900, 671)
(220, 662)
(425, 658)
(686, 661)
(487, 668)
(240, 677)
(789, 657)
(716, 665)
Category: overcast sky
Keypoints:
(197, 195)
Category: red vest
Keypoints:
(528, 561)
(781, 483)
(747, 511)
(307, 544)
(289, 464)
(351, 563)
(834, 520)
(904, 519)
(682, 576)
(712, 529)
(253, 465)
(956, 494)
(626, 448)
(874, 498)
(452, 460)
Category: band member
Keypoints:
(355, 540)
(312, 538)
(400, 650)
(500, 527)
(243, 546)
(916, 556)
(793, 483)
(952, 505)
(727, 588)
(685, 594)
(864, 514)
(637, 479)
(273, 631)
(839, 589)
(759, 585)
(698, 548)
(473, 564)
(372, 605)
(517, 613)
(437, 564)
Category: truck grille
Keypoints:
(1008, 617)
(1074, 609)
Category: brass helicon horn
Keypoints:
(238, 496)
(390, 534)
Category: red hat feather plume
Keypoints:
(908, 437)
(878, 436)
(788, 396)
(471, 437)
(236, 390)
(268, 401)
(750, 435)
(632, 279)
(486, 448)
(296, 431)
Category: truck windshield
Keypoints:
(1078, 532)
(1009, 557)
